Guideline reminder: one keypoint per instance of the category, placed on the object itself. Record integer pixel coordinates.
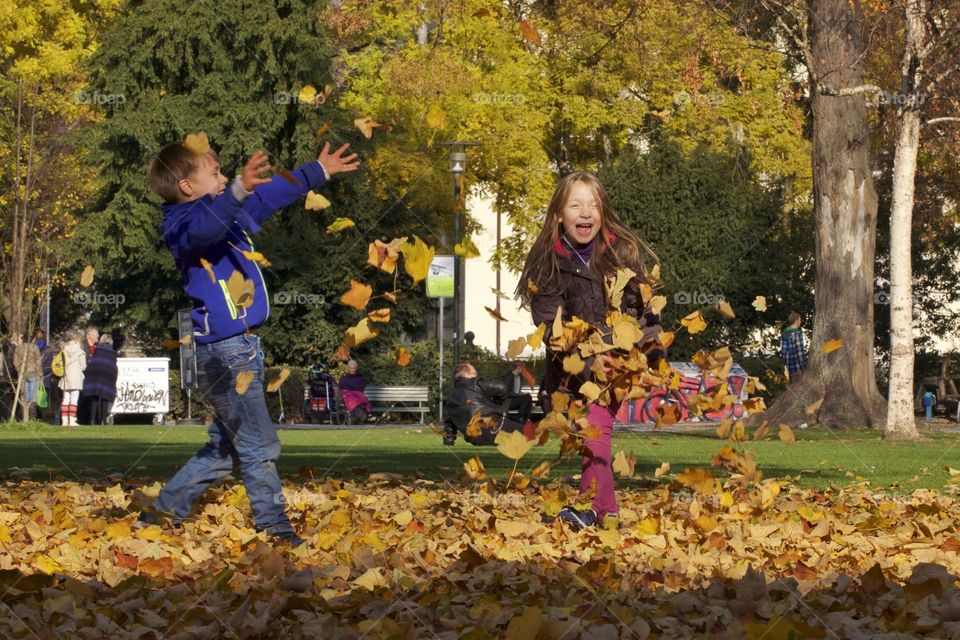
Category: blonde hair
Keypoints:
(616, 246)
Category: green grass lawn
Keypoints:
(820, 457)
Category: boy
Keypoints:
(207, 227)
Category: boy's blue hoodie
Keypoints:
(218, 230)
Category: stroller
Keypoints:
(321, 402)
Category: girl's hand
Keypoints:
(256, 166)
(336, 162)
(607, 362)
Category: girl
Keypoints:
(581, 245)
(75, 362)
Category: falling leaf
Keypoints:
(86, 278)
(530, 34)
(474, 470)
(358, 334)
(699, 479)
(535, 339)
(342, 353)
(402, 356)
(515, 347)
(694, 322)
(256, 256)
(367, 125)
(322, 130)
(657, 303)
(573, 365)
(340, 224)
(813, 407)
(241, 290)
(666, 338)
(384, 255)
(209, 269)
(307, 94)
(760, 304)
(590, 391)
(723, 429)
(513, 444)
(623, 465)
(786, 433)
(761, 430)
(532, 287)
(662, 470)
(379, 315)
(358, 295)
(832, 345)
(197, 143)
(315, 202)
(244, 378)
(436, 118)
(615, 289)
(466, 249)
(274, 385)
(724, 309)
(417, 256)
(286, 175)
(496, 314)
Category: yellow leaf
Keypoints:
(620, 282)
(813, 407)
(402, 356)
(590, 391)
(340, 224)
(694, 322)
(572, 364)
(359, 334)
(535, 339)
(725, 310)
(197, 143)
(832, 345)
(170, 344)
(513, 528)
(525, 626)
(657, 303)
(367, 125)
(244, 378)
(276, 383)
(358, 296)
(322, 131)
(648, 527)
(532, 286)
(47, 564)
(209, 269)
(760, 304)
(307, 94)
(666, 338)
(383, 255)
(86, 278)
(474, 469)
(513, 444)
(515, 347)
(466, 249)
(699, 479)
(662, 470)
(116, 530)
(241, 290)
(623, 465)
(626, 332)
(761, 430)
(371, 580)
(380, 315)
(151, 533)
(256, 256)
(417, 257)
(315, 202)
(436, 118)
(654, 275)
(786, 433)
(403, 518)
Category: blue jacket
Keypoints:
(218, 230)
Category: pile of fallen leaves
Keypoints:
(405, 558)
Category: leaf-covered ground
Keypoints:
(391, 557)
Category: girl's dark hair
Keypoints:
(616, 246)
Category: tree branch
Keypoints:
(943, 119)
(824, 90)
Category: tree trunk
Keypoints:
(845, 212)
(901, 423)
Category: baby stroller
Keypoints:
(320, 401)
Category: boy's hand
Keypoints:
(256, 166)
(336, 162)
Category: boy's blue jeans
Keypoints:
(241, 433)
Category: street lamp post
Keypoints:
(458, 166)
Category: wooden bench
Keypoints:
(399, 399)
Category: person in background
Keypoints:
(51, 414)
(793, 351)
(27, 362)
(84, 403)
(522, 403)
(352, 386)
(75, 362)
(471, 395)
(100, 380)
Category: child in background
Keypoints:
(207, 227)
(582, 243)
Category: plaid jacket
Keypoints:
(792, 350)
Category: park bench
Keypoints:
(535, 394)
(385, 399)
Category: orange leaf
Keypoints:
(530, 34)
(402, 357)
(358, 295)
(832, 345)
(380, 315)
(786, 433)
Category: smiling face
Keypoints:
(580, 217)
(205, 180)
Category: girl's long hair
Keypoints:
(615, 245)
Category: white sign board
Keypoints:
(440, 277)
(143, 385)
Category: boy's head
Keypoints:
(177, 174)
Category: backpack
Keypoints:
(59, 365)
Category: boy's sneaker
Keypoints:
(150, 517)
(578, 519)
